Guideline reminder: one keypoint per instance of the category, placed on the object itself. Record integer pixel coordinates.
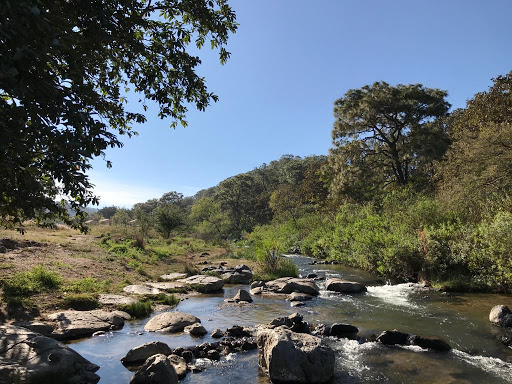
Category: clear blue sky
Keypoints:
(291, 59)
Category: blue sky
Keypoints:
(291, 59)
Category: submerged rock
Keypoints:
(141, 353)
(293, 284)
(343, 330)
(395, 337)
(196, 330)
(204, 283)
(501, 315)
(157, 369)
(29, 357)
(242, 295)
(344, 286)
(171, 322)
(297, 296)
(73, 324)
(289, 357)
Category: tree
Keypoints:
(169, 213)
(476, 174)
(107, 212)
(121, 217)
(65, 70)
(287, 202)
(209, 218)
(386, 135)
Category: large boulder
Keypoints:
(395, 337)
(109, 299)
(293, 284)
(29, 357)
(173, 276)
(141, 289)
(157, 369)
(241, 274)
(294, 322)
(74, 324)
(289, 357)
(343, 330)
(141, 353)
(170, 322)
(501, 315)
(344, 286)
(204, 283)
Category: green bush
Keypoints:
(81, 301)
(38, 280)
(138, 310)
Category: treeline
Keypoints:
(408, 190)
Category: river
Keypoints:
(462, 320)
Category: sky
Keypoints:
(290, 60)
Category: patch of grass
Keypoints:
(191, 269)
(88, 285)
(81, 301)
(38, 280)
(138, 310)
(6, 265)
(141, 271)
(163, 298)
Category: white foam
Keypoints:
(492, 365)
(396, 294)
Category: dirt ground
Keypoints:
(75, 256)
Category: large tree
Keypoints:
(386, 134)
(65, 70)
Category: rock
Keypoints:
(141, 353)
(157, 369)
(187, 355)
(167, 286)
(212, 354)
(501, 315)
(39, 327)
(170, 322)
(27, 356)
(311, 275)
(141, 289)
(238, 331)
(256, 291)
(179, 364)
(257, 283)
(204, 254)
(173, 276)
(293, 284)
(242, 295)
(344, 286)
(217, 333)
(393, 337)
(322, 330)
(108, 299)
(343, 330)
(293, 322)
(289, 357)
(3, 249)
(297, 304)
(73, 324)
(241, 274)
(296, 296)
(99, 333)
(196, 330)
(432, 343)
(204, 283)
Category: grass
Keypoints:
(138, 310)
(285, 268)
(88, 285)
(165, 299)
(81, 301)
(6, 265)
(38, 280)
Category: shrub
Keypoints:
(38, 280)
(81, 301)
(138, 310)
(165, 299)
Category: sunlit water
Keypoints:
(462, 320)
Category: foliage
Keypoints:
(81, 301)
(385, 135)
(165, 299)
(121, 217)
(87, 285)
(211, 221)
(138, 310)
(107, 212)
(169, 214)
(37, 280)
(65, 71)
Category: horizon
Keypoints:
(289, 63)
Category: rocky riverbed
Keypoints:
(374, 333)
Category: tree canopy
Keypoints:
(65, 69)
(385, 135)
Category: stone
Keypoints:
(297, 304)
(27, 356)
(289, 357)
(237, 331)
(297, 296)
(173, 276)
(344, 286)
(257, 283)
(108, 299)
(501, 315)
(212, 354)
(3, 249)
(217, 333)
(179, 364)
(166, 286)
(204, 283)
(141, 353)
(170, 322)
(432, 343)
(311, 275)
(343, 330)
(256, 291)
(242, 295)
(293, 322)
(157, 369)
(187, 355)
(196, 330)
(141, 289)
(73, 324)
(293, 284)
(393, 337)
(39, 327)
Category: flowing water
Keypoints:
(462, 320)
